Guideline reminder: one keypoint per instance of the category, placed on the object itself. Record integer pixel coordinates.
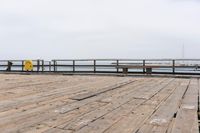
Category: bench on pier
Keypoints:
(147, 68)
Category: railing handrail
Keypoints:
(164, 59)
(94, 65)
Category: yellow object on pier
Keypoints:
(28, 65)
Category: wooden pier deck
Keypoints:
(98, 104)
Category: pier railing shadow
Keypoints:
(166, 66)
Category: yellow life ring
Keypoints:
(28, 65)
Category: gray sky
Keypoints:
(48, 29)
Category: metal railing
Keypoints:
(167, 66)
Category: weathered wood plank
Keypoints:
(131, 121)
(114, 94)
(162, 117)
(103, 90)
(187, 118)
(36, 104)
(50, 94)
(93, 116)
(56, 130)
(32, 113)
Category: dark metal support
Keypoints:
(74, 65)
(173, 67)
(117, 66)
(42, 65)
(54, 65)
(22, 66)
(144, 63)
(94, 66)
(50, 66)
(38, 65)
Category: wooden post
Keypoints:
(54, 65)
(94, 66)
(117, 66)
(22, 65)
(173, 66)
(49, 66)
(38, 65)
(73, 65)
(144, 66)
(42, 65)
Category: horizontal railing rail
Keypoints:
(166, 66)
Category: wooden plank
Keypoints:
(130, 121)
(162, 117)
(23, 113)
(53, 117)
(18, 92)
(134, 107)
(56, 130)
(103, 90)
(101, 124)
(27, 80)
(187, 118)
(97, 114)
(71, 107)
(58, 92)
(55, 121)
(37, 114)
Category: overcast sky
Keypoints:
(52, 29)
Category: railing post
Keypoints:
(49, 66)
(54, 65)
(173, 66)
(22, 65)
(42, 65)
(117, 66)
(9, 65)
(73, 65)
(144, 63)
(38, 65)
(94, 66)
